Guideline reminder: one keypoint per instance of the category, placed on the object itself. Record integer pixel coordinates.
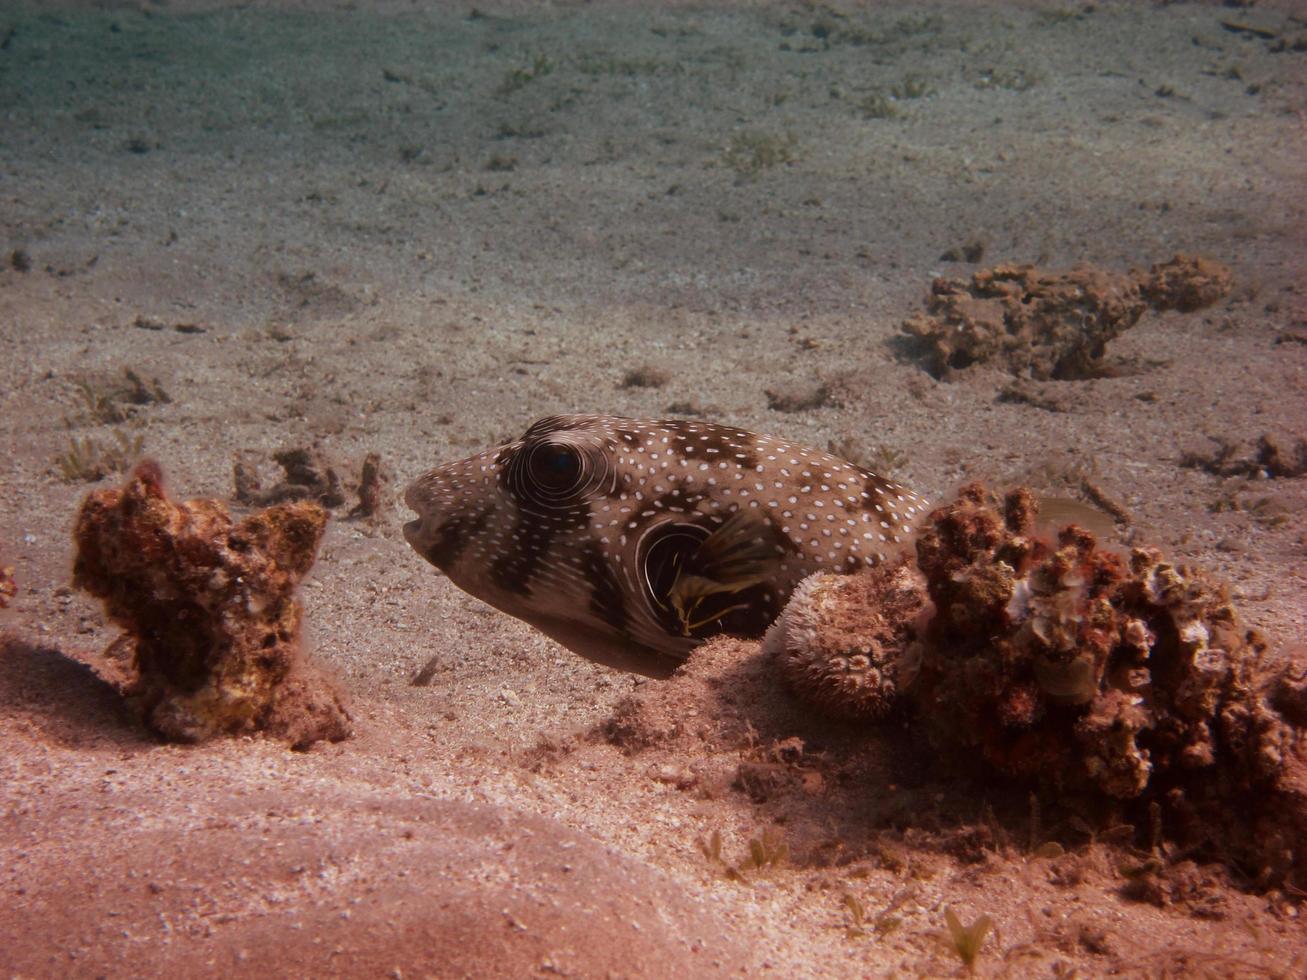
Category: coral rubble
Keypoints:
(1064, 661)
(309, 475)
(1051, 325)
(1186, 283)
(209, 610)
(1071, 667)
(1271, 458)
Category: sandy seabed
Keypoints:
(411, 228)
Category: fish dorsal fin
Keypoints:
(738, 555)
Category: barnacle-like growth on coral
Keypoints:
(209, 610)
(1051, 325)
(841, 640)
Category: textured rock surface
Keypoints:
(1066, 662)
(1051, 325)
(1070, 668)
(212, 623)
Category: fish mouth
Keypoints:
(421, 535)
(413, 529)
(413, 497)
(413, 533)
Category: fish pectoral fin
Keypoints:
(740, 553)
(688, 591)
(736, 556)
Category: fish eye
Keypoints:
(554, 468)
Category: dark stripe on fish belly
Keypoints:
(607, 601)
(453, 536)
(533, 535)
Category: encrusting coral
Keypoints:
(841, 638)
(1072, 667)
(1051, 325)
(209, 610)
(1064, 661)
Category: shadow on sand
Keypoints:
(65, 698)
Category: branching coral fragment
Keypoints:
(209, 610)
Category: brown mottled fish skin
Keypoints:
(592, 528)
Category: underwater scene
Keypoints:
(673, 489)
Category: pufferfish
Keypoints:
(632, 541)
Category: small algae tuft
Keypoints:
(766, 851)
(112, 400)
(522, 76)
(645, 376)
(912, 87)
(882, 924)
(877, 105)
(87, 459)
(966, 941)
(1012, 79)
(750, 152)
(857, 916)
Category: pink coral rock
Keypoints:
(209, 610)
